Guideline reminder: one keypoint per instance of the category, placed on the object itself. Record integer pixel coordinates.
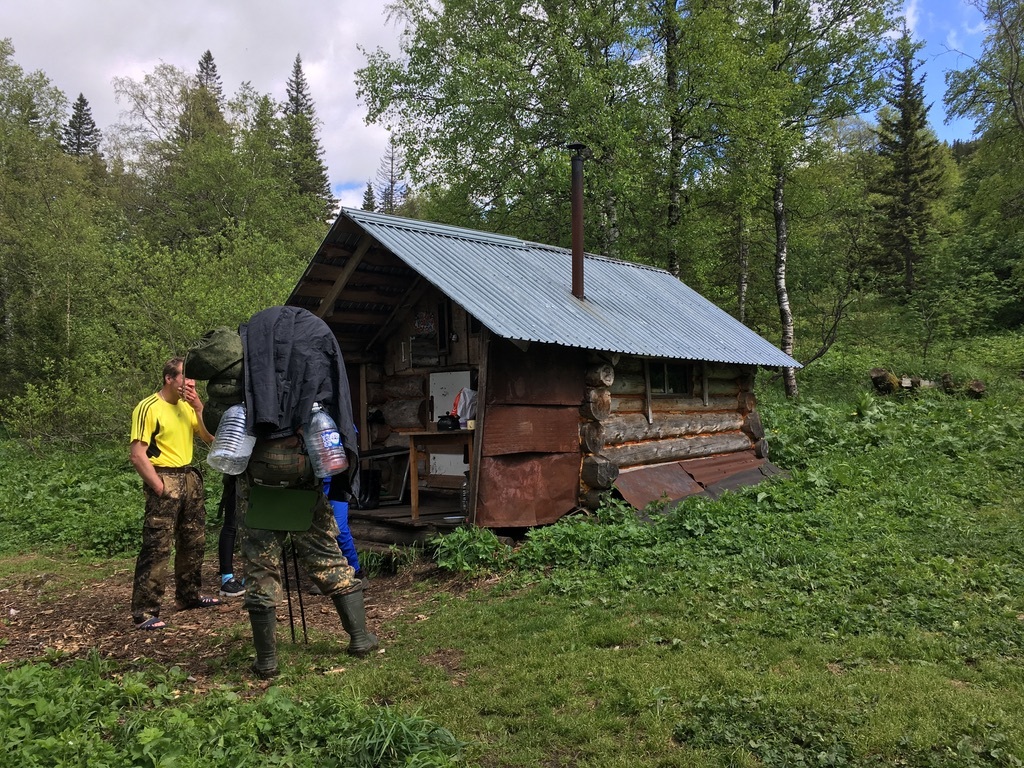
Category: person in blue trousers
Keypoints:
(345, 540)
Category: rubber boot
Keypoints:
(264, 626)
(352, 611)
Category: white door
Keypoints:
(443, 389)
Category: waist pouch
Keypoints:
(281, 463)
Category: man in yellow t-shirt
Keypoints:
(163, 426)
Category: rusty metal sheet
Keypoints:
(714, 469)
(712, 475)
(642, 485)
(545, 374)
(531, 429)
(734, 481)
(526, 489)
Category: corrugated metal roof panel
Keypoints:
(523, 291)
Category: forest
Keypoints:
(864, 610)
(777, 157)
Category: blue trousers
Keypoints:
(348, 546)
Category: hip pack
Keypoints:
(281, 463)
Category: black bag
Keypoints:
(281, 463)
(448, 422)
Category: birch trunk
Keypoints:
(781, 291)
(669, 21)
(743, 252)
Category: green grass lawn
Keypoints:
(866, 611)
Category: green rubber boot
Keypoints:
(352, 611)
(264, 626)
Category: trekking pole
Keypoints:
(298, 590)
(287, 587)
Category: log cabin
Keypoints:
(592, 375)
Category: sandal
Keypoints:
(204, 602)
(153, 622)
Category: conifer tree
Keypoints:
(912, 182)
(305, 155)
(389, 178)
(204, 101)
(369, 200)
(208, 78)
(81, 137)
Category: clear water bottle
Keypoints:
(232, 445)
(323, 444)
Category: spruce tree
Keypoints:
(305, 155)
(204, 101)
(209, 79)
(81, 137)
(389, 178)
(369, 200)
(912, 182)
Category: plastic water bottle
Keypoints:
(323, 444)
(232, 445)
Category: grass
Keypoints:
(867, 611)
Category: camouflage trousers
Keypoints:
(179, 518)
(263, 551)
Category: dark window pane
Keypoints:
(678, 379)
(657, 377)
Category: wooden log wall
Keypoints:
(718, 417)
(597, 473)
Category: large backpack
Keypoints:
(217, 359)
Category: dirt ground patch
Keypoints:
(38, 618)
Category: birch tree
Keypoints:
(812, 62)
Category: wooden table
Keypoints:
(424, 439)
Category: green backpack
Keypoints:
(217, 359)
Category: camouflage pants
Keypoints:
(178, 519)
(262, 554)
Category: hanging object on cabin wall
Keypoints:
(425, 324)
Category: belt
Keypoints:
(173, 470)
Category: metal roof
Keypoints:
(522, 291)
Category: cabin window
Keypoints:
(669, 377)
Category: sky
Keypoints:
(82, 45)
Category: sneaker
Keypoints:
(232, 588)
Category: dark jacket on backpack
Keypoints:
(292, 359)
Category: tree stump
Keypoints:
(885, 383)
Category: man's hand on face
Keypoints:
(189, 394)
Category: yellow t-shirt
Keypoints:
(166, 429)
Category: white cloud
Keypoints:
(912, 13)
(83, 44)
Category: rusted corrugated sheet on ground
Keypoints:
(642, 485)
(714, 469)
(679, 479)
(527, 489)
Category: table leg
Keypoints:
(414, 479)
